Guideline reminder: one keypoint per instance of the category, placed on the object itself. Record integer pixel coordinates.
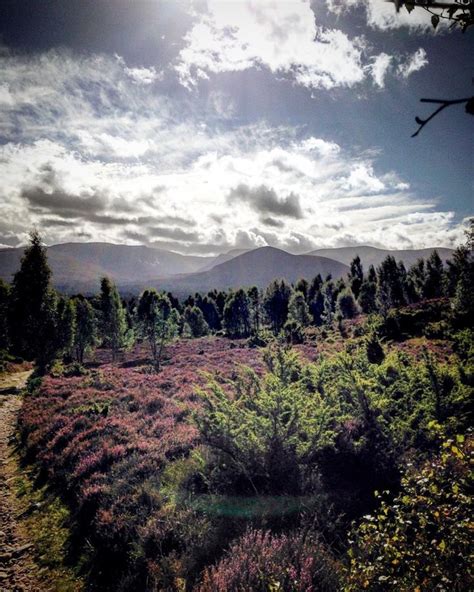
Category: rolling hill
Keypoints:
(257, 267)
(373, 256)
(79, 265)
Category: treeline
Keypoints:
(39, 324)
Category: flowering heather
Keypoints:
(260, 561)
(105, 439)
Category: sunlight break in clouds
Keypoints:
(152, 173)
(382, 15)
(281, 36)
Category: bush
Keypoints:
(262, 562)
(421, 540)
(375, 353)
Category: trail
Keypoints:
(18, 571)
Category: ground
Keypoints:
(18, 570)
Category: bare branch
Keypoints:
(443, 104)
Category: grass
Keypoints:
(45, 520)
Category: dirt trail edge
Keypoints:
(18, 571)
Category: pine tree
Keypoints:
(237, 314)
(302, 286)
(346, 305)
(211, 315)
(435, 276)
(356, 276)
(4, 306)
(66, 326)
(158, 322)
(391, 280)
(255, 303)
(416, 281)
(314, 287)
(276, 300)
(195, 324)
(85, 337)
(32, 318)
(114, 330)
(367, 296)
(298, 310)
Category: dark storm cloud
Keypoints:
(47, 194)
(266, 201)
(60, 201)
(57, 222)
(269, 221)
(175, 233)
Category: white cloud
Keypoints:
(415, 62)
(383, 15)
(151, 172)
(143, 75)
(281, 36)
(380, 67)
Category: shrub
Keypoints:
(421, 540)
(261, 561)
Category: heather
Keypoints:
(257, 440)
(169, 475)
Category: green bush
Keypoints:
(422, 539)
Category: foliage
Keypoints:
(346, 304)
(85, 337)
(237, 314)
(421, 540)
(356, 276)
(4, 304)
(261, 561)
(275, 303)
(298, 311)
(158, 322)
(114, 330)
(33, 306)
(194, 324)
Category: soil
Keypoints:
(18, 570)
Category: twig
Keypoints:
(443, 104)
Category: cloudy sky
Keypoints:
(202, 126)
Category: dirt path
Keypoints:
(18, 571)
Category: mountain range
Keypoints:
(79, 266)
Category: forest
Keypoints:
(306, 437)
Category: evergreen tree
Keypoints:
(237, 314)
(255, 304)
(194, 322)
(114, 330)
(372, 275)
(328, 302)
(315, 287)
(276, 300)
(435, 276)
(32, 315)
(346, 305)
(298, 310)
(85, 336)
(463, 302)
(416, 281)
(391, 279)
(356, 276)
(211, 315)
(302, 286)
(367, 296)
(158, 322)
(4, 306)
(66, 326)
(316, 308)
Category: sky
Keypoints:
(203, 126)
